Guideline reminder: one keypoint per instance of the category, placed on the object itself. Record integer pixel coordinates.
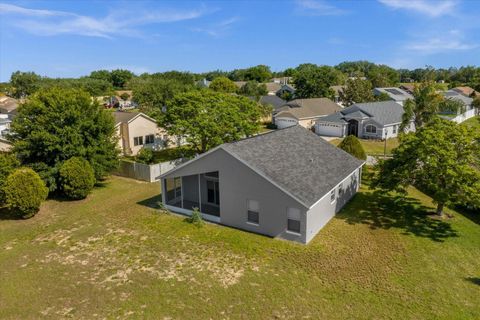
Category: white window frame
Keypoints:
(333, 194)
(153, 138)
(139, 141)
(371, 126)
(294, 214)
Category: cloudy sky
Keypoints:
(71, 38)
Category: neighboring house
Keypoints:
(8, 105)
(466, 91)
(239, 84)
(137, 130)
(303, 112)
(273, 88)
(408, 87)
(204, 83)
(374, 120)
(5, 145)
(5, 122)
(396, 94)
(337, 90)
(286, 183)
(282, 80)
(273, 101)
(286, 89)
(465, 100)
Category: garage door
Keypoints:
(329, 129)
(285, 122)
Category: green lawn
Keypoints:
(473, 122)
(374, 147)
(114, 256)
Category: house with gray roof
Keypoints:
(373, 120)
(303, 112)
(286, 183)
(468, 109)
(395, 94)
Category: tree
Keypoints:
(124, 96)
(25, 191)
(145, 156)
(25, 83)
(120, 77)
(8, 163)
(223, 84)
(253, 89)
(153, 93)
(357, 91)
(57, 124)
(77, 178)
(352, 145)
(441, 158)
(312, 81)
(424, 107)
(104, 75)
(260, 73)
(383, 76)
(207, 118)
(452, 106)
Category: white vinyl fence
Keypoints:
(464, 116)
(145, 172)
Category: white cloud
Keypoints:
(318, 8)
(218, 29)
(429, 8)
(453, 40)
(50, 23)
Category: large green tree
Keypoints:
(24, 83)
(253, 89)
(441, 158)
(357, 91)
(383, 76)
(312, 81)
(57, 124)
(223, 84)
(424, 107)
(207, 118)
(121, 77)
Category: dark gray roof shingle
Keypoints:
(297, 160)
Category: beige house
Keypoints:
(136, 131)
(5, 145)
(304, 112)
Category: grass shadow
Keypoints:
(8, 214)
(474, 280)
(471, 214)
(384, 211)
(151, 202)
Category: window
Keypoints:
(371, 129)
(293, 220)
(138, 141)
(332, 196)
(213, 192)
(253, 210)
(394, 129)
(149, 139)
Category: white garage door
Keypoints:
(285, 122)
(329, 129)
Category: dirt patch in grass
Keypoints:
(113, 258)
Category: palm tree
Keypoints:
(424, 107)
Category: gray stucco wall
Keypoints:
(324, 210)
(238, 183)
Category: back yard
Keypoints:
(114, 256)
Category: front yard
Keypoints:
(114, 256)
(374, 147)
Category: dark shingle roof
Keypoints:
(123, 117)
(272, 100)
(300, 162)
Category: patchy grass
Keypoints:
(374, 147)
(114, 255)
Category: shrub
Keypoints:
(25, 191)
(145, 156)
(353, 146)
(77, 178)
(8, 163)
(196, 218)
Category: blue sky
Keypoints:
(72, 38)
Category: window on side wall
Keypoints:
(138, 141)
(149, 139)
(394, 129)
(293, 220)
(371, 129)
(333, 196)
(253, 212)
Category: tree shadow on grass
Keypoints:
(385, 211)
(471, 214)
(151, 202)
(474, 280)
(7, 214)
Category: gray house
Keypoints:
(287, 183)
(395, 94)
(373, 120)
